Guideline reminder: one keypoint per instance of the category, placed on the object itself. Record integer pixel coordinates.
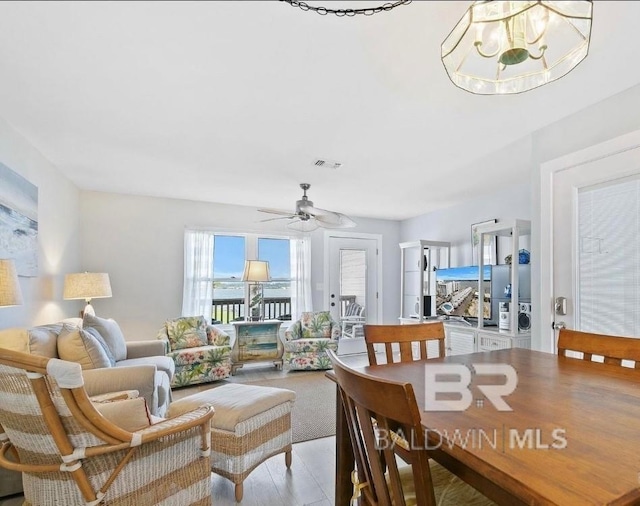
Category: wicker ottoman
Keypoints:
(251, 424)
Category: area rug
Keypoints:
(314, 412)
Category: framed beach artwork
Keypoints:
(19, 221)
(490, 245)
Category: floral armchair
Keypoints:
(201, 352)
(308, 339)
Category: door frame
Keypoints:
(354, 235)
(543, 338)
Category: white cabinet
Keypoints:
(462, 340)
(488, 341)
(459, 341)
(417, 280)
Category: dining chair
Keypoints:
(378, 479)
(614, 349)
(403, 337)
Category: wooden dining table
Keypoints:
(572, 436)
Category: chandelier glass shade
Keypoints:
(501, 47)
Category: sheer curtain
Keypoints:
(300, 276)
(197, 294)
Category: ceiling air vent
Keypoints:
(327, 164)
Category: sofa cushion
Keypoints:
(316, 325)
(110, 332)
(187, 332)
(15, 339)
(78, 345)
(161, 362)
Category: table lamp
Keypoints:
(255, 273)
(87, 286)
(10, 294)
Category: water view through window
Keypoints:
(229, 291)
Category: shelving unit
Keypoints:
(417, 278)
(416, 282)
(490, 338)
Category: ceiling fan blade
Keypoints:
(313, 211)
(277, 211)
(335, 220)
(290, 217)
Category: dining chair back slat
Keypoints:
(402, 338)
(614, 349)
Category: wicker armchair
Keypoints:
(70, 454)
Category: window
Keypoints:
(277, 293)
(230, 292)
(213, 267)
(228, 288)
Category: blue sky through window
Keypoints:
(229, 256)
(276, 252)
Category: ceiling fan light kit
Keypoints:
(307, 218)
(502, 47)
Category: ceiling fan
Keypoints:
(307, 218)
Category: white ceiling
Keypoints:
(232, 101)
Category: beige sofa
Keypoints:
(131, 365)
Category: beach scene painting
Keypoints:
(19, 221)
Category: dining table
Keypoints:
(568, 432)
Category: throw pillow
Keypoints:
(77, 345)
(102, 343)
(316, 325)
(15, 339)
(130, 414)
(187, 332)
(110, 332)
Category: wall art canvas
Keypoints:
(19, 221)
(490, 246)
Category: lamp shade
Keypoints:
(86, 285)
(255, 271)
(10, 294)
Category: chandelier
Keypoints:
(501, 47)
(366, 11)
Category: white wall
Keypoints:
(58, 234)
(139, 242)
(454, 223)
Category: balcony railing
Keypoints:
(275, 308)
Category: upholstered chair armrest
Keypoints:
(336, 331)
(217, 337)
(116, 379)
(163, 337)
(293, 332)
(148, 348)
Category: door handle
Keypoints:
(561, 306)
(558, 325)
